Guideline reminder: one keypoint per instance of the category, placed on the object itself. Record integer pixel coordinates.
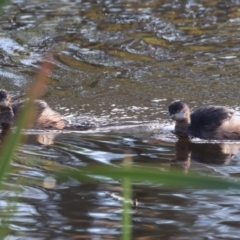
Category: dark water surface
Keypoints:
(118, 63)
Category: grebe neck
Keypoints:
(182, 126)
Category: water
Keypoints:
(118, 64)
(50, 206)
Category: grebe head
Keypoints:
(178, 111)
(5, 99)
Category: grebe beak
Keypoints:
(170, 116)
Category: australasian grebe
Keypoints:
(45, 117)
(211, 122)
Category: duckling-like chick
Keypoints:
(6, 112)
(45, 117)
(211, 122)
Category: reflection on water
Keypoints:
(119, 62)
(206, 153)
(194, 152)
(66, 207)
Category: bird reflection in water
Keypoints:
(213, 153)
(43, 138)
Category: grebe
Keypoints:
(45, 117)
(211, 122)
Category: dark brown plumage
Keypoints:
(211, 122)
(45, 117)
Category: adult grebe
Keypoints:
(211, 122)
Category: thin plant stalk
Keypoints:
(127, 196)
(26, 116)
(126, 213)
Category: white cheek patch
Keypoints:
(4, 103)
(180, 115)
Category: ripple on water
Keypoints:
(118, 65)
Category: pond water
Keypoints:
(118, 64)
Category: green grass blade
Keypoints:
(26, 116)
(127, 197)
(170, 178)
(126, 214)
(2, 2)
